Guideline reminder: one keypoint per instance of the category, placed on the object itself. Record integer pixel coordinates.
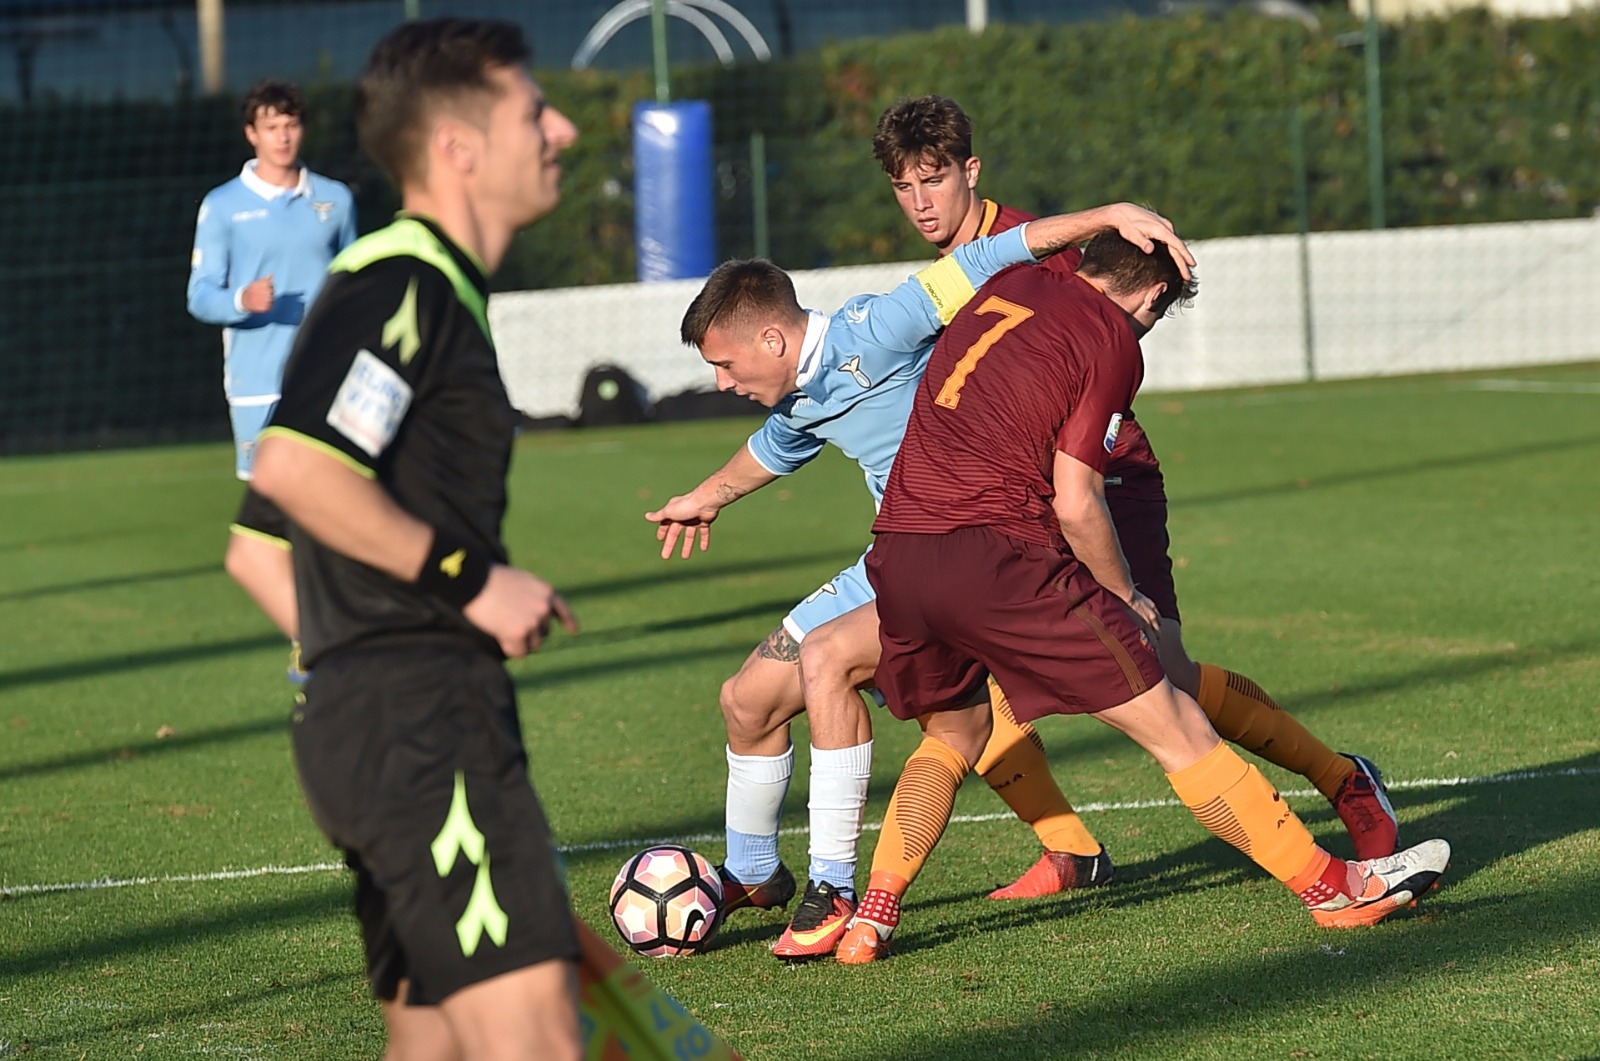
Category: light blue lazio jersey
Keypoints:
(859, 368)
(248, 229)
(859, 371)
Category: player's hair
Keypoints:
(740, 293)
(421, 66)
(272, 94)
(1125, 269)
(925, 129)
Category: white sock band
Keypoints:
(839, 780)
(756, 787)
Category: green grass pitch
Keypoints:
(1409, 565)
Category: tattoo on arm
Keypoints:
(727, 493)
(1058, 243)
(780, 646)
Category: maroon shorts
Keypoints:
(1140, 514)
(955, 608)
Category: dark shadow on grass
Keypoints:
(136, 661)
(1176, 1009)
(328, 900)
(185, 741)
(113, 582)
(1507, 814)
(209, 1011)
(1395, 471)
(703, 568)
(774, 609)
(1439, 671)
(117, 532)
(540, 676)
(1486, 823)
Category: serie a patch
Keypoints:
(371, 403)
(1113, 429)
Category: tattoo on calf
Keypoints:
(780, 646)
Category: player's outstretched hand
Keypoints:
(1142, 227)
(258, 296)
(686, 518)
(515, 608)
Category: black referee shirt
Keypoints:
(394, 373)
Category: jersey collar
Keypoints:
(270, 192)
(811, 348)
(470, 266)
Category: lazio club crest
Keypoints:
(852, 368)
(323, 210)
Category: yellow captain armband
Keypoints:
(947, 287)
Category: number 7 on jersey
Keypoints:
(1011, 315)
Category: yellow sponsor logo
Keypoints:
(451, 565)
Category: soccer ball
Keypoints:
(666, 900)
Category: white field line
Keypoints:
(1533, 386)
(637, 842)
(1314, 393)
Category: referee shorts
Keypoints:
(411, 759)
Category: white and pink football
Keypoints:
(667, 900)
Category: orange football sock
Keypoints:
(1014, 765)
(918, 812)
(1241, 712)
(1238, 805)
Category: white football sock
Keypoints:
(839, 780)
(756, 787)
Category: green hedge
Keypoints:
(1485, 120)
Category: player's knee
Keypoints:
(747, 718)
(834, 660)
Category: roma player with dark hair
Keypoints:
(925, 146)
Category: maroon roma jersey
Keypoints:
(1037, 361)
(1133, 465)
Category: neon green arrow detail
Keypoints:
(483, 915)
(458, 835)
(401, 329)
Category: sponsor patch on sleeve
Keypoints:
(196, 258)
(371, 403)
(1113, 429)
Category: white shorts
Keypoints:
(847, 591)
(249, 417)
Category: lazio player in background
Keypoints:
(262, 245)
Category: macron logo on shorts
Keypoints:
(1113, 429)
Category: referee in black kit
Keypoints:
(389, 451)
